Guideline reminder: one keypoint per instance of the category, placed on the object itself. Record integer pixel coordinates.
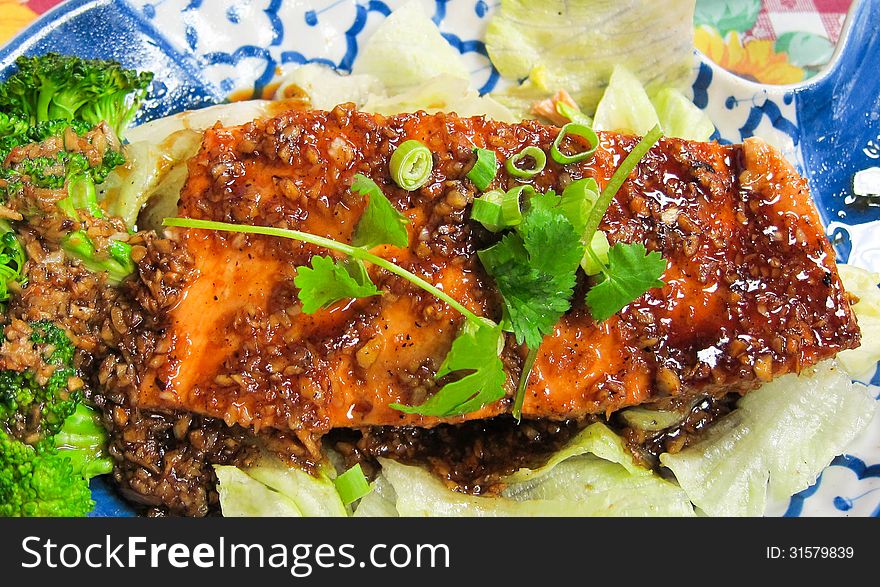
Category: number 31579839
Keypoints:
(807, 552)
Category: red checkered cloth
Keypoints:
(822, 17)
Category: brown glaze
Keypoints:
(751, 291)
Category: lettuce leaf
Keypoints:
(680, 117)
(156, 156)
(776, 443)
(651, 419)
(244, 496)
(379, 503)
(596, 487)
(593, 475)
(285, 487)
(596, 470)
(420, 494)
(861, 362)
(596, 439)
(442, 93)
(625, 105)
(575, 45)
(407, 49)
(314, 495)
(325, 87)
(148, 165)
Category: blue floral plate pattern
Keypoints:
(204, 51)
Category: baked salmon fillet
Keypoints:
(752, 291)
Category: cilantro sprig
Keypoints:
(381, 223)
(331, 280)
(535, 263)
(629, 273)
(534, 266)
(631, 270)
(473, 356)
(475, 352)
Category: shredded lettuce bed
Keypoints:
(775, 443)
(575, 45)
(407, 50)
(273, 488)
(594, 475)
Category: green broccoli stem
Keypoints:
(83, 440)
(12, 260)
(54, 86)
(81, 195)
(116, 263)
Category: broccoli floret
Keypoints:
(10, 184)
(33, 409)
(12, 259)
(46, 96)
(56, 128)
(83, 440)
(40, 481)
(12, 125)
(72, 171)
(50, 443)
(54, 172)
(57, 343)
(116, 260)
(18, 133)
(53, 86)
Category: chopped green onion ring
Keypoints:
(487, 210)
(538, 156)
(411, 165)
(578, 199)
(578, 130)
(511, 204)
(352, 485)
(596, 258)
(484, 170)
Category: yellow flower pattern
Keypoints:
(756, 59)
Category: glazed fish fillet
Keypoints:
(751, 293)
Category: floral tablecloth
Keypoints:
(770, 41)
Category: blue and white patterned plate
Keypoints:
(204, 51)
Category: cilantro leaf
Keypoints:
(631, 271)
(381, 223)
(475, 351)
(535, 269)
(550, 238)
(329, 280)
